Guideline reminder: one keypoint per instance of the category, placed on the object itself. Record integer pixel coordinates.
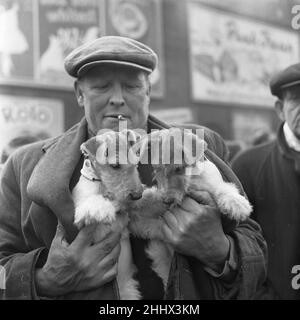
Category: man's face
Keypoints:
(291, 110)
(108, 91)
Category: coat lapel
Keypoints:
(49, 183)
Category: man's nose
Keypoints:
(117, 99)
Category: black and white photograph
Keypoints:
(149, 152)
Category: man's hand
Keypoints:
(194, 228)
(78, 266)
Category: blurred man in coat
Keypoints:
(270, 174)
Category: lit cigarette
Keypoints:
(120, 117)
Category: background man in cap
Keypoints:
(270, 175)
(43, 258)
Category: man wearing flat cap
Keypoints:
(270, 174)
(44, 254)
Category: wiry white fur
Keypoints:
(161, 255)
(145, 215)
(226, 195)
(145, 222)
(145, 218)
(128, 286)
(92, 206)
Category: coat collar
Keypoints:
(286, 151)
(49, 183)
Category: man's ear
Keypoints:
(78, 93)
(279, 109)
(149, 87)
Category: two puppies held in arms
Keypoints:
(110, 193)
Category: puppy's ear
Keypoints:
(140, 150)
(95, 150)
(89, 148)
(132, 136)
(194, 148)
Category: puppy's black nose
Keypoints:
(135, 195)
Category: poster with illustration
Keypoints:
(21, 116)
(232, 59)
(16, 39)
(139, 20)
(63, 26)
(275, 11)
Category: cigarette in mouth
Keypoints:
(120, 117)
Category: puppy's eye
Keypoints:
(115, 166)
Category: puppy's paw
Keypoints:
(129, 290)
(235, 206)
(94, 209)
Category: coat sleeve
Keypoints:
(249, 244)
(244, 167)
(15, 256)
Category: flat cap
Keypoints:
(287, 78)
(113, 50)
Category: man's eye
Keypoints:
(102, 86)
(131, 86)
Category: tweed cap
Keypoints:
(112, 50)
(287, 78)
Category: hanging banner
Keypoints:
(232, 59)
(139, 20)
(63, 26)
(35, 116)
(16, 39)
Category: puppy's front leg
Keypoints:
(94, 209)
(90, 206)
(146, 228)
(146, 213)
(151, 205)
(226, 194)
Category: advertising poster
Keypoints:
(232, 59)
(139, 20)
(63, 26)
(37, 35)
(35, 116)
(16, 40)
(276, 11)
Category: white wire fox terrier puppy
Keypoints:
(177, 173)
(107, 185)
